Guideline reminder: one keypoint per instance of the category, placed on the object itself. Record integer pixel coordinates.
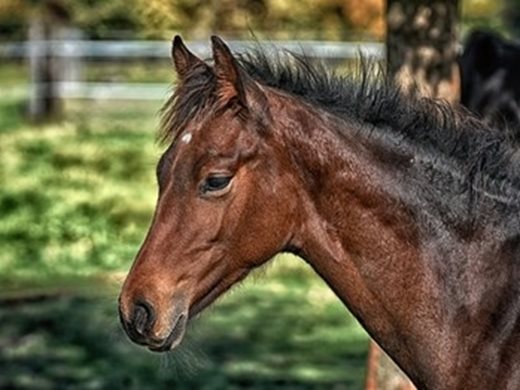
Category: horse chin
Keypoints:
(205, 301)
(215, 291)
(175, 337)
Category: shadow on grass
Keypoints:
(257, 338)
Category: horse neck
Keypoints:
(369, 248)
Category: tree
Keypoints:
(421, 44)
(97, 18)
(300, 19)
(512, 16)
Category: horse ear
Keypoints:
(183, 59)
(229, 80)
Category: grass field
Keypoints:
(77, 195)
(281, 331)
(75, 201)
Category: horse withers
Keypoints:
(408, 209)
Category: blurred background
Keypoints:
(81, 83)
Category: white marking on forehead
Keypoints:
(186, 138)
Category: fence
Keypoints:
(161, 49)
(67, 56)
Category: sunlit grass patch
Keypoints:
(75, 201)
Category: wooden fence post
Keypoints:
(41, 105)
(45, 68)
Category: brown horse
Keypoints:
(408, 209)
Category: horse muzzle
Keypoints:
(158, 332)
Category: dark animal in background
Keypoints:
(490, 75)
(408, 209)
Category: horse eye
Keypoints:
(215, 183)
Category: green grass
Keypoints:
(284, 330)
(159, 71)
(76, 199)
(13, 73)
(77, 196)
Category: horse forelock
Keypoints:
(192, 95)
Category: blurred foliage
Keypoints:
(101, 18)
(483, 14)
(325, 19)
(512, 17)
(98, 18)
(276, 19)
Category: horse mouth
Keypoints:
(178, 330)
(177, 333)
(175, 336)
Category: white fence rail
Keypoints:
(111, 91)
(69, 54)
(161, 49)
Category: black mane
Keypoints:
(446, 135)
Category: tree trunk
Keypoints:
(422, 49)
(383, 374)
(421, 46)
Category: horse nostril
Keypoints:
(143, 317)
